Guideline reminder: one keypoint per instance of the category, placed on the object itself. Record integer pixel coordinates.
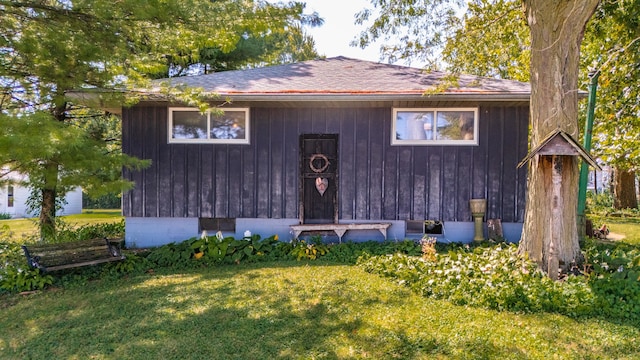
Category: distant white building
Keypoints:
(599, 181)
(13, 199)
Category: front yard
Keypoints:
(170, 306)
(286, 310)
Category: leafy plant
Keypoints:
(310, 251)
(5, 216)
(492, 277)
(15, 274)
(171, 255)
(23, 279)
(67, 233)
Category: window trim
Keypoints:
(244, 141)
(435, 110)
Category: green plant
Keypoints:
(171, 255)
(227, 249)
(5, 216)
(494, 277)
(15, 278)
(66, 232)
(131, 263)
(309, 251)
(15, 274)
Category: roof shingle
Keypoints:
(340, 76)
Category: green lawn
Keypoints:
(288, 310)
(21, 228)
(629, 228)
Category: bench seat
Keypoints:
(52, 257)
(340, 229)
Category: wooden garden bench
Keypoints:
(340, 229)
(52, 257)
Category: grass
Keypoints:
(22, 228)
(630, 228)
(286, 310)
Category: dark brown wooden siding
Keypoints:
(377, 181)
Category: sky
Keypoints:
(333, 37)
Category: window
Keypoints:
(189, 125)
(217, 224)
(434, 227)
(445, 126)
(9, 196)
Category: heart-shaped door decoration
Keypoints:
(321, 185)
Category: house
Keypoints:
(331, 141)
(14, 196)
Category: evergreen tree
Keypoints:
(48, 48)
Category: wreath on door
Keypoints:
(318, 169)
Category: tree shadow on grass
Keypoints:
(256, 311)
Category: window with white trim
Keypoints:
(189, 125)
(435, 126)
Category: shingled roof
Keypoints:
(345, 78)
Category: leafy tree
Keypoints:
(410, 29)
(254, 48)
(493, 29)
(556, 32)
(492, 41)
(48, 48)
(612, 47)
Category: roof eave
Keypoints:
(461, 96)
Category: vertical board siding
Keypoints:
(376, 181)
(347, 174)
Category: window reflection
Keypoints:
(229, 125)
(189, 125)
(435, 126)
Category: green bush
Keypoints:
(66, 233)
(308, 251)
(229, 250)
(15, 274)
(108, 201)
(498, 278)
(5, 216)
(349, 252)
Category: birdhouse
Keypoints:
(559, 142)
(554, 152)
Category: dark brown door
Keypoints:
(319, 178)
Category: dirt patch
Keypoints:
(615, 237)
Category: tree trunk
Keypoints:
(49, 186)
(624, 189)
(557, 29)
(48, 202)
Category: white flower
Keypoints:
(247, 233)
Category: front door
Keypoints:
(318, 178)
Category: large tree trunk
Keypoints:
(49, 186)
(624, 189)
(48, 202)
(557, 29)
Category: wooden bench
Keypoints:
(340, 229)
(52, 257)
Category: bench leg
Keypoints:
(340, 233)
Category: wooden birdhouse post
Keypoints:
(554, 149)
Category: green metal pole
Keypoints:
(588, 130)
